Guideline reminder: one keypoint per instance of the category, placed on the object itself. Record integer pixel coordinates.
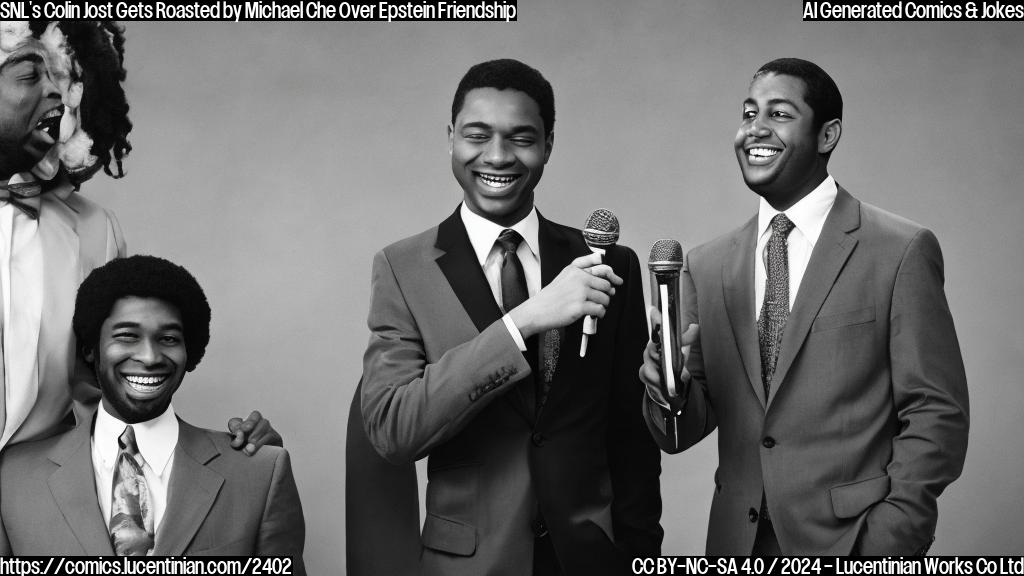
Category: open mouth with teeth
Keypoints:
(761, 154)
(50, 122)
(497, 181)
(145, 385)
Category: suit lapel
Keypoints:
(73, 487)
(830, 253)
(460, 267)
(61, 276)
(738, 285)
(557, 250)
(191, 492)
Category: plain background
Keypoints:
(274, 159)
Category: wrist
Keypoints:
(521, 317)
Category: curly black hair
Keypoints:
(144, 277)
(508, 74)
(98, 47)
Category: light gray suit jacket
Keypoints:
(867, 418)
(220, 502)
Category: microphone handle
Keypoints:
(590, 322)
(666, 287)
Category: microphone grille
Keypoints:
(601, 229)
(666, 256)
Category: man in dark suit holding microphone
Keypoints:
(538, 460)
(826, 354)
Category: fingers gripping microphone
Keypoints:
(665, 262)
(600, 232)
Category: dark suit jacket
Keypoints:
(867, 418)
(443, 377)
(220, 502)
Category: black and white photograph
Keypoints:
(606, 282)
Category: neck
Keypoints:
(785, 201)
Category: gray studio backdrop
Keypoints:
(274, 159)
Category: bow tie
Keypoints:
(24, 196)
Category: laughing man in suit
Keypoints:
(538, 460)
(841, 422)
(132, 478)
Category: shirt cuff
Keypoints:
(513, 330)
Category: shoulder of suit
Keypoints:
(717, 245)
(83, 207)
(265, 456)
(30, 454)
(412, 245)
(875, 220)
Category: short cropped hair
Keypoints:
(822, 94)
(508, 74)
(144, 277)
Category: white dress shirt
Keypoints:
(21, 281)
(482, 235)
(808, 215)
(156, 440)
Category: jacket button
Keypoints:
(752, 515)
(538, 439)
(768, 442)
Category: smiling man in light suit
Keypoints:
(826, 355)
(133, 478)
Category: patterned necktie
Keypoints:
(775, 310)
(513, 279)
(131, 514)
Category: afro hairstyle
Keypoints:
(144, 277)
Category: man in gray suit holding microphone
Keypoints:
(539, 461)
(826, 354)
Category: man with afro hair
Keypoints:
(63, 117)
(132, 478)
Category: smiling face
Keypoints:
(499, 147)
(30, 109)
(140, 358)
(781, 155)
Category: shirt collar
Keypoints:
(808, 214)
(156, 438)
(483, 233)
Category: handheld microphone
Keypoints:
(665, 262)
(600, 232)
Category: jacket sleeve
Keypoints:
(675, 431)
(283, 529)
(633, 457)
(409, 405)
(930, 392)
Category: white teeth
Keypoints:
(144, 380)
(497, 181)
(762, 152)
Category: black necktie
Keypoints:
(775, 310)
(513, 280)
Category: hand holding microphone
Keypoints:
(664, 360)
(600, 232)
